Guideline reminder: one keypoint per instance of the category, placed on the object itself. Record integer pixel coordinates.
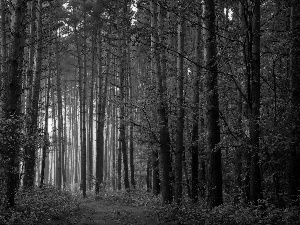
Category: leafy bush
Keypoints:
(188, 214)
(39, 206)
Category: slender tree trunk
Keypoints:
(180, 113)
(46, 134)
(101, 122)
(65, 140)
(196, 112)
(91, 115)
(76, 149)
(99, 138)
(60, 141)
(212, 103)
(131, 112)
(54, 138)
(3, 67)
(148, 177)
(255, 179)
(113, 130)
(122, 83)
(119, 163)
(32, 41)
(293, 156)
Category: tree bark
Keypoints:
(100, 130)
(32, 42)
(293, 155)
(113, 129)
(3, 67)
(131, 112)
(60, 141)
(99, 137)
(164, 137)
(180, 113)
(196, 112)
(46, 134)
(12, 99)
(91, 113)
(33, 97)
(255, 180)
(212, 103)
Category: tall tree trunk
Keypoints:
(91, 111)
(54, 138)
(12, 99)
(60, 141)
(75, 124)
(119, 158)
(196, 112)
(100, 130)
(212, 103)
(46, 134)
(131, 112)
(122, 43)
(65, 141)
(255, 180)
(113, 129)
(32, 41)
(3, 67)
(164, 138)
(180, 113)
(34, 109)
(293, 156)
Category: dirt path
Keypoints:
(104, 212)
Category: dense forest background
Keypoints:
(194, 99)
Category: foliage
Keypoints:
(38, 206)
(189, 213)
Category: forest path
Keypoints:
(106, 212)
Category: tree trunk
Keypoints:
(164, 138)
(54, 140)
(212, 103)
(122, 43)
(3, 67)
(46, 134)
(100, 130)
(113, 130)
(131, 112)
(76, 149)
(30, 150)
(34, 109)
(12, 99)
(293, 156)
(196, 112)
(99, 136)
(91, 113)
(32, 42)
(255, 180)
(180, 113)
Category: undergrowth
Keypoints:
(39, 206)
(189, 213)
(193, 214)
(42, 206)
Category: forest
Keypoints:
(150, 111)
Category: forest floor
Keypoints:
(104, 211)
